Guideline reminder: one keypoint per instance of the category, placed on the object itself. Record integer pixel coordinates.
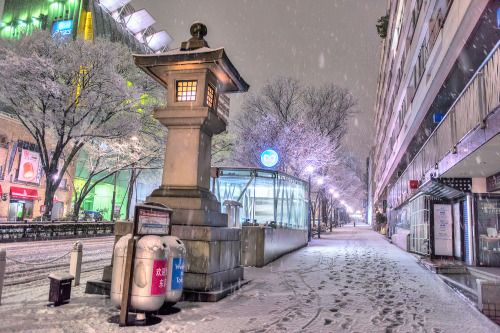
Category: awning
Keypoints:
(23, 193)
(444, 189)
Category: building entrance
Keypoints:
(19, 210)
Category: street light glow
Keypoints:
(309, 169)
(336, 195)
(342, 202)
(331, 190)
(134, 138)
(320, 181)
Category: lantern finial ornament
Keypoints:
(198, 30)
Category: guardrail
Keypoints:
(53, 230)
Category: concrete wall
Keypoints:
(489, 299)
(260, 246)
(402, 239)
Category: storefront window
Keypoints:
(488, 215)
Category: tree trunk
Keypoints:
(133, 179)
(50, 191)
(78, 205)
(76, 210)
(113, 202)
(130, 192)
(324, 211)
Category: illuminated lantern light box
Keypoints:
(269, 158)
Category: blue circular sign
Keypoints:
(269, 158)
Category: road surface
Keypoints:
(352, 280)
(40, 258)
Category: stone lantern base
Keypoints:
(213, 266)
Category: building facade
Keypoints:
(22, 183)
(114, 20)
(435, 162)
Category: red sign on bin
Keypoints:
(159, 282)
(413, 184)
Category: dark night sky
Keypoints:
(315, 41)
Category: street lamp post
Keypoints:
(331, 208)
(320, 182)
(342, 202)
(309, 170)
(335, 212)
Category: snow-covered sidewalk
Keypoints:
(351, 280)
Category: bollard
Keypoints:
(3, 259)
(75, 265)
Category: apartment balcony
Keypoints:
(465, 140)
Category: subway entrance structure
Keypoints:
(194, 76)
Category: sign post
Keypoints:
(443, 242)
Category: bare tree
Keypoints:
(222, 148)
(105, 158)
(70, 93)
(327, 108)
(306, 126)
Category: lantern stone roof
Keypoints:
(193, 54)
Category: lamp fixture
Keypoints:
(186, 91)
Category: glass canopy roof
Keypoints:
(138, 21)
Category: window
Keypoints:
(186, 91)
(210, 96)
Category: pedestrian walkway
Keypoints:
(351, 280)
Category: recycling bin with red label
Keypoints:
(149, 281)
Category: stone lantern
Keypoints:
(194, 76)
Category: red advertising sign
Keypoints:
(413, 184)
(159, 282)
(28, 166)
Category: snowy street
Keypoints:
(352, 280)
(40, 258)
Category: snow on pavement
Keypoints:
(352, 280)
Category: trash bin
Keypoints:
(175, 277)
(60, 288)
(232, 209)
(150, 273)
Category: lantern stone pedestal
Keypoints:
(194, 77)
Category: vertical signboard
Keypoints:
(28, 166)
(159, 279)
(457, 231)
(12, 156)
(443, 237)
(177, 273)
